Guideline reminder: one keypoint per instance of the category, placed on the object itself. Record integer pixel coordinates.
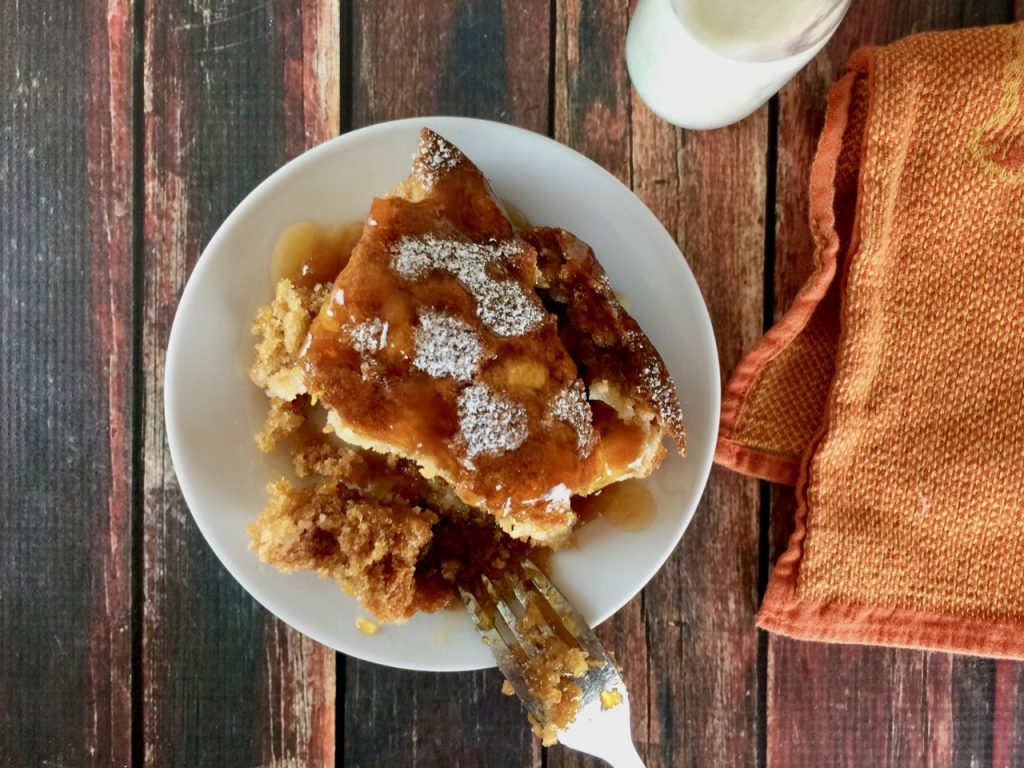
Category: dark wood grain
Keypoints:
(709, 190)
(838, 713)
(1008, 713)
(687, 643)
(231, 90)
(401, 718)
(591, 90)
(853, 705)
(486, 59)
(592, 101)
(65, 378)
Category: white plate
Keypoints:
(212, 410)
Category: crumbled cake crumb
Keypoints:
(370, 546)
(547, 731)
(360, 499)
(551, 673)
(315, 454)
(610, 699)
(283, 326)
(284, 417)
(367, 627)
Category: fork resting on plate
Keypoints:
(521, 616)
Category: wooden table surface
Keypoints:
(129, 132)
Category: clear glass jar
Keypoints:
(708, 63)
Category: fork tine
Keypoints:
(551, 626)
(505, 610)
(504, 656)
(573, 622)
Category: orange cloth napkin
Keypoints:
(892, 391)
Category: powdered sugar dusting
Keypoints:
(434, 157)
(571, 406)
(663, 394)
(489, 423)
(414, 257)
(446, 346)
(369, 336)
(559, 496)
(656, 384)
(504, 306)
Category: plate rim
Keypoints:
(175, 345)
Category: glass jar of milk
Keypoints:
(709, 63)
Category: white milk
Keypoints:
(709, 63)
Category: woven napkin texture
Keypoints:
(892, 391)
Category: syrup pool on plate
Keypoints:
(628, 505)
(308, 254)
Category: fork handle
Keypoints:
(624, 757)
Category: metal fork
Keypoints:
(598, 729)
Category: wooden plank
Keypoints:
(591, 115)
(402, 718)
(687, 644)
(1008, 712)
(65, 374)
(108, 141)
(855, 707)
(852, 705)
(708, 188)
(231, 90)
(486, 59)
(592, 96)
